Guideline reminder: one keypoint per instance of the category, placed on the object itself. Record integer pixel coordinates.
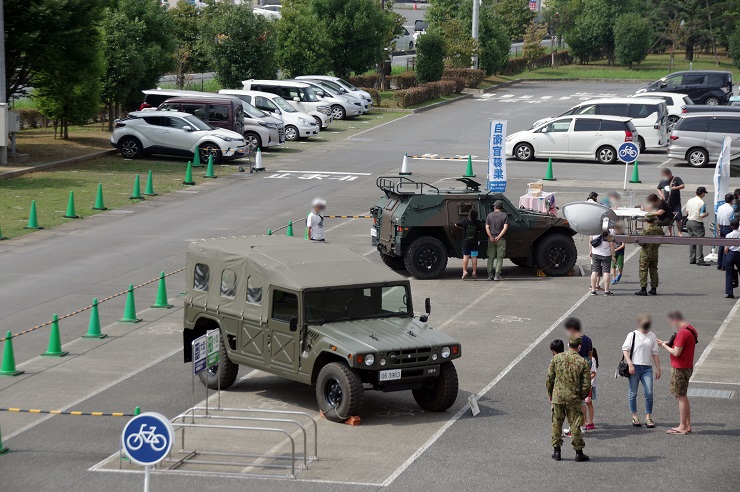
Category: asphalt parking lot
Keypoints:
(504, 327)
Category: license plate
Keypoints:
(373, 232)
(390, 375)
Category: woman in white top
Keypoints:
(644, 354)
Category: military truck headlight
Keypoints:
(434, 356)
(382, 362)
(369, 360)
(445, 352)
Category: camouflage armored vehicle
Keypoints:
(317, 314)
(413, 228)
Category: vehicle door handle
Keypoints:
(167, 131)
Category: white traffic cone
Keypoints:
(405, 169)
(258, 166)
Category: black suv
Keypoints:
(710, 87)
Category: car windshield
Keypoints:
(347, 85)
(252, 111)
(308, 95)
(283, 105)
(196, 123)
(346, 304)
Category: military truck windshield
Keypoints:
(345, 304)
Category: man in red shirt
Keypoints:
(682, 366)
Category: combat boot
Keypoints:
(641, 292)
(556, 453)
(580, 456)
(653, 292)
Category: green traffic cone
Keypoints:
(1, 235)
(469, 168)
(269, 232)
(196, 159)
(289, 232)
(99, 203)
(137, 411)
(189, 175)
(8, 366)
(162, 294)
(71, 207)
(33, 221)
(149, 190)
(305, 235)
(548, 174)
(129, 312)
(54, 349)
(136, 192)
(635, 174)
(3, 449)
(93, 328)
(209, 169)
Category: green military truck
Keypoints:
(413, 228)
(318, 314)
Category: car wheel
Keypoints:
(318, 122)
(339, 392)
(225, 371)
(411, 45)
(524, 152)
(291, 133)
(641, 144)
(393, 262)
(556, 255)
(208, 149)
(697, 157)
(672, 120)
(441, 392)
(606, 155)
(338, 112)
(711, 101)
(130, 148)
(426, 258)
(253, 140)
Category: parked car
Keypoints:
(579, 136)
(342, 107)
(420, 27)
(338, 89)
(735, 101)
(697, 138)
(298, 94)
(272, 8)
(710, 87)
(405, 41)
(349, 87)
(676, 104)
(297, 124)
(649, 116)
(174, 133)
(703, 108)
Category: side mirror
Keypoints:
(187, 128)
(293, 324)
(297, 99)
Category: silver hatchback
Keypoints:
(697, 138)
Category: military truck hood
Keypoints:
(383, 335)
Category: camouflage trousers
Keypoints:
(648, 265)
(575, 418)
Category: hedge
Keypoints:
(518, 65)
(404, 80)
(473, 77)
(374, 93)
(460, 83)
(372, 80)
(425, 92)
(31, 118)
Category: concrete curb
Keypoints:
(442, 103)
(52, 165)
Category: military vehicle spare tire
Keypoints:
(426, 258)
(339, 392)
(441, 393)
(393, 262)
(225, 370)
(556, 254)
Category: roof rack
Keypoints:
(402, 185)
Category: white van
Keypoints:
(649, 115)
(349, 87)
(342, 106)
(300, 95)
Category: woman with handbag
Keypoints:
(640, 351)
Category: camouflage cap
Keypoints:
(575, 341)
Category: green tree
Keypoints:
(303, 43)
(514, 16)
(632, 38)
(734, 45)
(430, 57)
(532, 50)
(190, 48)
(494, 42)
(441, 11)
(459, 45)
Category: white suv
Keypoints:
(174, 133)
(349, 87)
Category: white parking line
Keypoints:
(383, 124)
(665, 163)
(545, 97)
(506, 96)
(325, 172)
(719, 333)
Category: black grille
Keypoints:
(412, 356)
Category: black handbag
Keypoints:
(623, 369)
(596, 242)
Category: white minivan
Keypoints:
(349, 87)
(300, 95)
(650, 117)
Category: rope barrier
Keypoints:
(348, 216)
(439, 158)
(67, 412)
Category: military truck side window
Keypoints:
(284, 306)
(228, 284)
(201, 277)
(463, 209)
(254, 289)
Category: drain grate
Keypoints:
(711, 393)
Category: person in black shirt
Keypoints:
(669, 189)
(660, 209)
(472, 230)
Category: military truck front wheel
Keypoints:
(225, 370)
(441, 393)
(556, 255)
(339, 392)
(393, 262)
(426, 258)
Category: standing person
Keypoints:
(732, 261)
(649, 259)
(588, 415)
(696, 212)
(593, 197)
(736, 203)
(315, 221)
(618, 263)
(724, 216)
(572, 327)
(602, 256)
(557, 347)
(669, 189)
(497, 223)
(682, 366)
(471, 235)
(568, 383)
(643, 346)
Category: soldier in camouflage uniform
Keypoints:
(649, 259)
(568, 383)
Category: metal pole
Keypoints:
(3, 150)
(146, 478)
(476, 14)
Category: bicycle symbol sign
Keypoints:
(628, 152)
(147, 438)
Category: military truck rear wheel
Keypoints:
(225, 370)
(426, 258)
(393, 262)
(339, 392)
(442, 391)
(556, 255)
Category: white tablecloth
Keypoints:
(630, 212)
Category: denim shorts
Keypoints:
(469, 252)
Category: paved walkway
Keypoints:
(720, 361)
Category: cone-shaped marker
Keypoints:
(8, 366)
(99, 203)
(548, 173)
(129, 312)
(3, 449)
(209, 169)
(1, 235)
(54, 349)
(269, 232)
(189, 175)
(71, 207)
(93, 328)
(305, 234)
(289, 232)
(137, 411)
(33, 221)
(258, 166)
(149, 190)
(136, 192)
(196, 159)
(469, 168)
(405, 167)
(162, 301)
(635, 174)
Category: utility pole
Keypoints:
(3, 99)
(476, 14)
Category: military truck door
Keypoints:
(283, 344)
(456, 211)
(518, 237)
(387, 229)
(253, 325)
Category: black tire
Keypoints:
(291, 133)
(711, 101)
(426, 258)
(697, 157)
(225, 370)
(606, 154)
(339, 392)
(207, 149)
(318, 122)
(393, 262)
(524, 152)
(338, 112)
(556, 254)
(253, 139)
(641, 144)
(411, 45)
(130, 148)
(442, 391)
(672, 120)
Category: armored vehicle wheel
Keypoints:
(441, 393)
(426, 258)
(393, 262)
(339, 392)
(225, 370)
(556, 255)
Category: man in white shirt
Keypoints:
(602, 255)
(724, 216)
(696, 211)
(315, 221)
(732, 260)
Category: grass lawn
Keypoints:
(41, 146)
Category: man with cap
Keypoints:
(696, 211)
(497, 223)
(649, 258)
(568, 383)
(315, 221)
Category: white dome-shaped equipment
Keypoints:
(589, 218)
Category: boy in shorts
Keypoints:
(472, 230)
(618, 262)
